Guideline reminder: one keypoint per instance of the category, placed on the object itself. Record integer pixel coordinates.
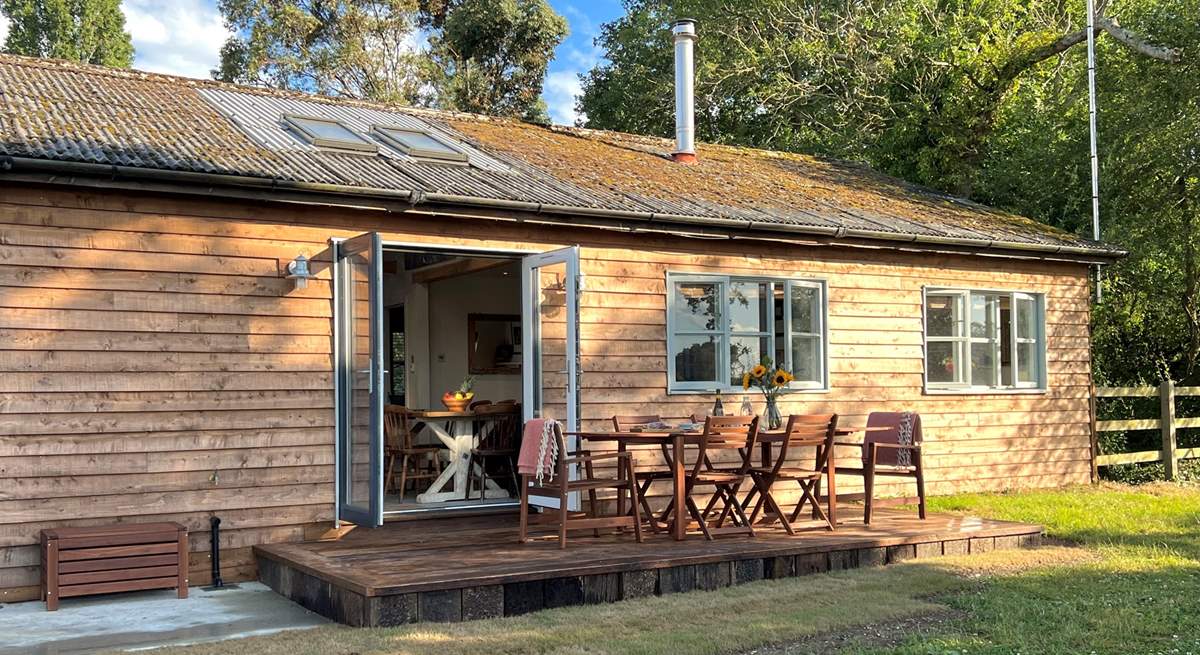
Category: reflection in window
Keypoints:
(983, 339)
(722, 327)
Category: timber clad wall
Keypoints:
(156, 365)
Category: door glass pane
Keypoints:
(747, 306)
(943, 361)
(694, 307)
(806, 358)
(550, 341)
(943, 315)
(744, 354)
(806, 309)
(357, 463)
(696, 358)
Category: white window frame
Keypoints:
(965, 339)
(361, 144)
(381, 132)
(724, 331)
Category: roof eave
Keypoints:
(190, 181)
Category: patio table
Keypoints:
(459, 442)
(678, 440)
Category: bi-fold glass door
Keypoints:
(359, 378)
(550, 325)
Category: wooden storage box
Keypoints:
(113, 558)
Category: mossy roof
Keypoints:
(60, 111)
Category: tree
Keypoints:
(491, 55)
(343, 48)
(984, 98)
(486, 56)
(88, 31)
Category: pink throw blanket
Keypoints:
(539, 449)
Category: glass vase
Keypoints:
(774, 419)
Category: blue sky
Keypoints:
(184, 37)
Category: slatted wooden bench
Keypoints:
(113, 558)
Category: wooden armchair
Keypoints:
(416, 462)
(561, 486)
(803, 430)
(892, 449)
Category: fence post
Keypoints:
(1166, 394)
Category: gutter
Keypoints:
(413, 199)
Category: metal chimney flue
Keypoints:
(685, 99)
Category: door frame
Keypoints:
(377, 339)
(529, 309)
(372, 514)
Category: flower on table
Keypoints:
(758, 371)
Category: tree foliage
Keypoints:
(487, 56)
(89, 31)
(983, 98)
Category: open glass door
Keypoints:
(359, 374)
(550, 286)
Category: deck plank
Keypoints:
(457, 553)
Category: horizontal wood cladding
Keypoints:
(156, 365)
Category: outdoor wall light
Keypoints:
(298, 271)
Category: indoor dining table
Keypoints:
(457, 432)
(678, 440)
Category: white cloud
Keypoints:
(3, 29)
(561, 90)
(182, 37)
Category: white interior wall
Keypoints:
(435, 330)
(450, 301)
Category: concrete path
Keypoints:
(141, 620)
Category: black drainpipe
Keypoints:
(217, 582)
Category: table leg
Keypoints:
(620, 476)
(680, 503)
(832, 464)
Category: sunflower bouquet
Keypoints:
(772, 381)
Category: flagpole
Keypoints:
(1091, 62)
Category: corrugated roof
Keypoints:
(60, 111)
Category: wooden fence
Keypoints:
(1167, 423)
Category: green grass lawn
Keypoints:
(1128, 582)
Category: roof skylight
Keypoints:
(420, 144)
(328, 133)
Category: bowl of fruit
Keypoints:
(458, 401)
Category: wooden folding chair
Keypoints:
(561, 487)
(893, 449)
(722, 433)
(803, 431)
(644, 477)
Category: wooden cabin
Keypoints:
(165, 354)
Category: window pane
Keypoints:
(329, 130)
(943, 362)
(943, 316)
(1027, 362)
(420, 141)
(696, 359)
(781, 337)
(806, 358)
(806, 308)
(983, 365)
(744, 354)
(694, 307)
(983, 316)
(747, 307)
(1026, 318)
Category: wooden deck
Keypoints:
(472, 567)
